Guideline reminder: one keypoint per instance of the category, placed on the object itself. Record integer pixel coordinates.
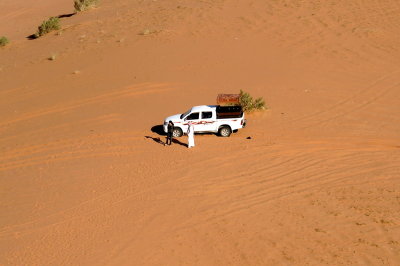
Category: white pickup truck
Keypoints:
(208, 119)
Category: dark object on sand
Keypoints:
(248, 138)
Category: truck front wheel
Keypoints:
(177, 132)
(225, 131)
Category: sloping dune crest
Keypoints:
(84, 179)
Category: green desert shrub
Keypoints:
(82, 5)
(249, 104)
(51, 24)
(3, 41)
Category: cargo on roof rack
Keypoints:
(228, 99)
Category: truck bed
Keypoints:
(224, 112)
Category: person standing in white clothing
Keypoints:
(190, 133)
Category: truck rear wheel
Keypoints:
(177, 132)
(225, 131)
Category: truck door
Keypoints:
(194, 118)
(207, 121)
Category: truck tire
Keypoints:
(177, 132)
(225, 131)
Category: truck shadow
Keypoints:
(158, 130)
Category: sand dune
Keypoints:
(85, 181)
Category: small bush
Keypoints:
(3, 41)
(82, 5)
(51, 24)
(146, 32)
(52, 57)
(249, 104)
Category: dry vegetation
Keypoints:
(3, 41)
(82, 5)
(47, 26)
(249, 104)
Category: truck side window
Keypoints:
(206, 115)
(193, 116)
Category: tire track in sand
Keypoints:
(282, 180)
(355, 102)
(98, 203)
(103, 98)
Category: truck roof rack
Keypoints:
(228, 99)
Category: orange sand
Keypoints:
(82, 181)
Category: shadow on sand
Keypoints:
(176, 141)
(158, 140)
(160, 131)
(66, 15)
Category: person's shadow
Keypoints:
(177, 141)
(160, 131)
(158, 140)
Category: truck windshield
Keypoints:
(185, 113)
